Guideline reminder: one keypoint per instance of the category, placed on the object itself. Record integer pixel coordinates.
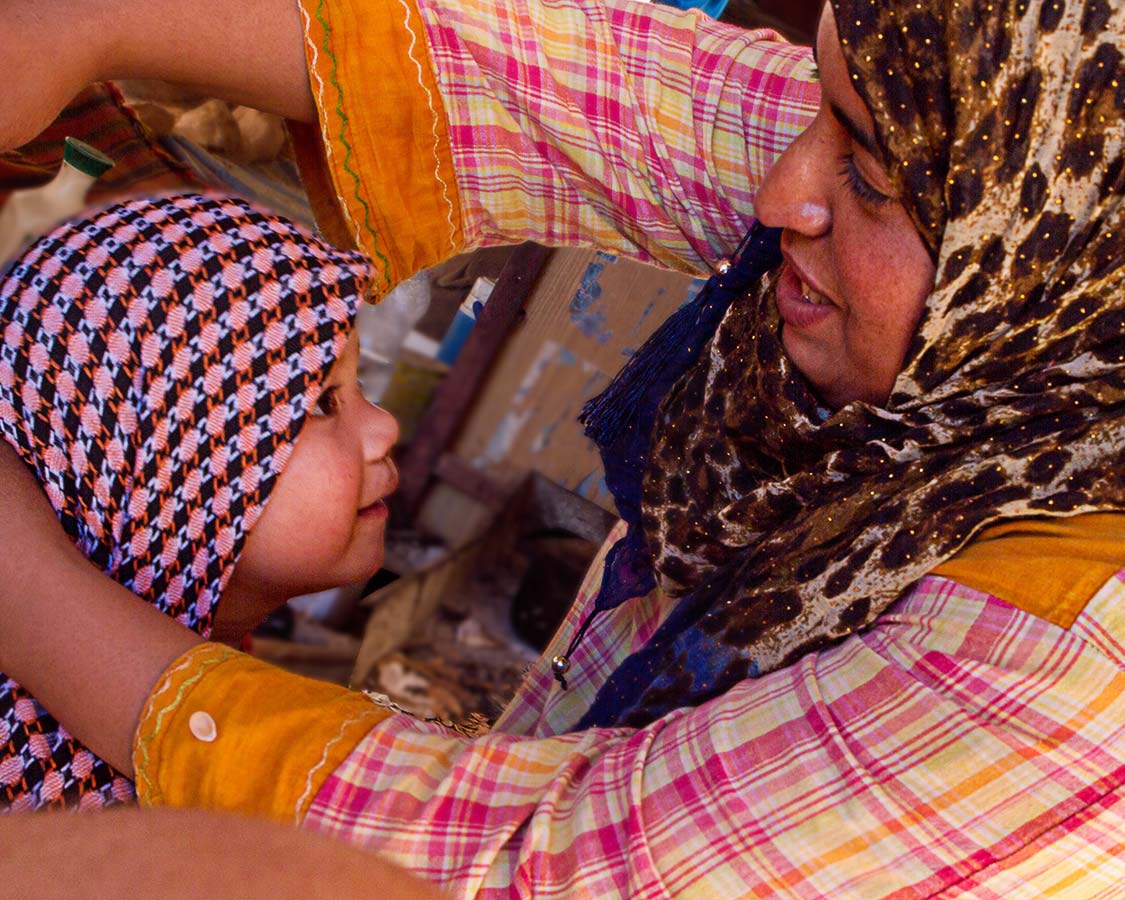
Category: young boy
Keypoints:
(158, 362)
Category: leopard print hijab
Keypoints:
(784, 527)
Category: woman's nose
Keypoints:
(380, 432)
(794, 194)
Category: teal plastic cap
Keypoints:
(85, 158)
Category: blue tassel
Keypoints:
(676, 344)
(620, 420)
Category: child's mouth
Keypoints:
(376, 510)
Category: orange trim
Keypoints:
(1049, 567)
(309, 151)
(384, 133)
(277, 736)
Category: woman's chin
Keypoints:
(833, 385)
(812, 361)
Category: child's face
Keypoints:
(326, 519)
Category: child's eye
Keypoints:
(859, 185)
(328, 403)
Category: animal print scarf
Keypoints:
(784, 528)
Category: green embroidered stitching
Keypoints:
(343, 140)
(143, 745)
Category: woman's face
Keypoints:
(326, 519)
(856, 273)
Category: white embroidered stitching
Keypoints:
(434, 127)
(323, 761)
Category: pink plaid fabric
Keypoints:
(958, 748)
(634, 128)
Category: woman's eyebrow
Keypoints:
(857, 134)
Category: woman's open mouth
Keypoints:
(798, 304)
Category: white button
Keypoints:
(203, 727)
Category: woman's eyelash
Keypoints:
(858, 184)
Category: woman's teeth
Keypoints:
(811, 296)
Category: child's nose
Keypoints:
(380, 432)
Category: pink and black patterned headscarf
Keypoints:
(157, 363)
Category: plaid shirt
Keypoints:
(636, 129)
(958, 747)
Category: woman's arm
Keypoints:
(250, 52)
(633, 128)
(630, 127)
(957, 736)
(174, 854)
(82, 643)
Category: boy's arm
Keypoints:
(250, 52)
(79, 641)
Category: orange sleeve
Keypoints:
(1049, 567)
(222, 730)
(387, 162)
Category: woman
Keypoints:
(158, 362)
(939, 351)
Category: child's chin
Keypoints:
(363, 571)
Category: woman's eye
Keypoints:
(859, 185)
(328, 403)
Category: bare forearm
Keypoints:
(85, 646)
(251, 52)
(174, 854)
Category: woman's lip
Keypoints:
(792, 306)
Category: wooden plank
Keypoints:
(454, 396)
(398, 608)
(456, 472)
(589, 312)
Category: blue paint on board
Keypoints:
(644, 315)
(693, 288)
(566, 357)
(583, 489)
(543, 441)
(595, 384)
(583, 306)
